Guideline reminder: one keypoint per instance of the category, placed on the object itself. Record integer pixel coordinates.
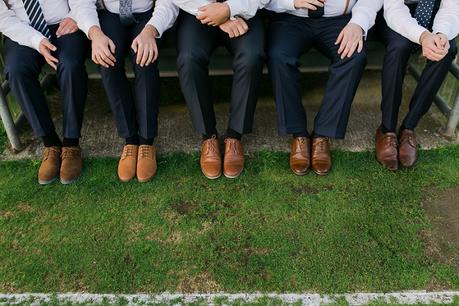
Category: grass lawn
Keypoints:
(359, 229)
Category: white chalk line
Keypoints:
(407, 298)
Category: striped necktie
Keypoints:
(36, 17)
(126, 14)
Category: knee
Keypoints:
(191, 57)
(250, 59)
(277, 57)
(70, 65)
(359, 58)
(399, 47)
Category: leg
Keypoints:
(345, 75)
(146, 90)
(195, 43)
(23, 66)
(248, 59)
(72, 80)
(430, 82)
(288, 39)
(398, 51)
(114, 78)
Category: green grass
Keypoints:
(357, 229)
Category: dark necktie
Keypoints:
(36, 17)
(317, 13)
(423, 16)
(126, 14)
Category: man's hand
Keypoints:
(46, 48)
(67, 26)
(235, 28)
(214, 14)
(430, 50)
(308, 4)
(442, 41)
(350, 40)
(144, 45)
(103, 48)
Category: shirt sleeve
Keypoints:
(364, 13)
(246, 9)
(280, 6)
(164, 16)
(399, 19)
(85, 14)
(447, 19)
(17, 30)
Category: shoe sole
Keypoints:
(300, 173)
(321, 173)
(44, 183)
(212, 177)
(145, 180)
(63, 182)
(388, 168)
(232, 176)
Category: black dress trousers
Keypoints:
(23, 66)
(196, 43)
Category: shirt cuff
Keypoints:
(35, 40)
(288, 5)
(415, 34)
(443, 30)
(361, 22)
(236, 8)
(158, 26)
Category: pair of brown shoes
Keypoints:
(64, 163)
(306, 154)
(392, 152)
(211, 158)
(137, 161)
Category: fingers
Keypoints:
(340, 38)
(50, 59)
(112, 47)
(360, 47)
(49, 45)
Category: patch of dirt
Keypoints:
(202, 282)
(442, 243)
(185, 208)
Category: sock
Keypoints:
(305, 134)
(71, 142)
(233, 134)
(210, 135)
(134, 140)
(315, 135)
(146, 141)
(52, 140)
(386, 130)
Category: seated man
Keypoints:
(39, 32)
(337, 29)
(202, 27)
(429, 25)
(117, 29)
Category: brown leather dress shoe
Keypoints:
(321, 161)
(300, 155)
(127, 165)
(146, 163)
(387, 149)
(408, 153)
(50, 165)
(233, 163)
(71, 164)
(211, 158)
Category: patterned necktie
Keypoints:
(424, 12)
(36, 17)
(423, 16)
(126, 14)
(317, 13)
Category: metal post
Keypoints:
(453, 120)
(8, 122)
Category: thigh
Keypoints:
(194, 37)
(288, 35)
(72, 47)
(252, 42)
(112, 27)
(21, 58)
(328, 30)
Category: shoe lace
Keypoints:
(144, 152)
(212, 145)
(48, 152)
(70, 153)
(322, 143)
(232, 146)
(128, 151)
(391, 141)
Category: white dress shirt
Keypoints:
(399, 18)
(87, 17)
(363, 11)
(166, 11)
(15, 24)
